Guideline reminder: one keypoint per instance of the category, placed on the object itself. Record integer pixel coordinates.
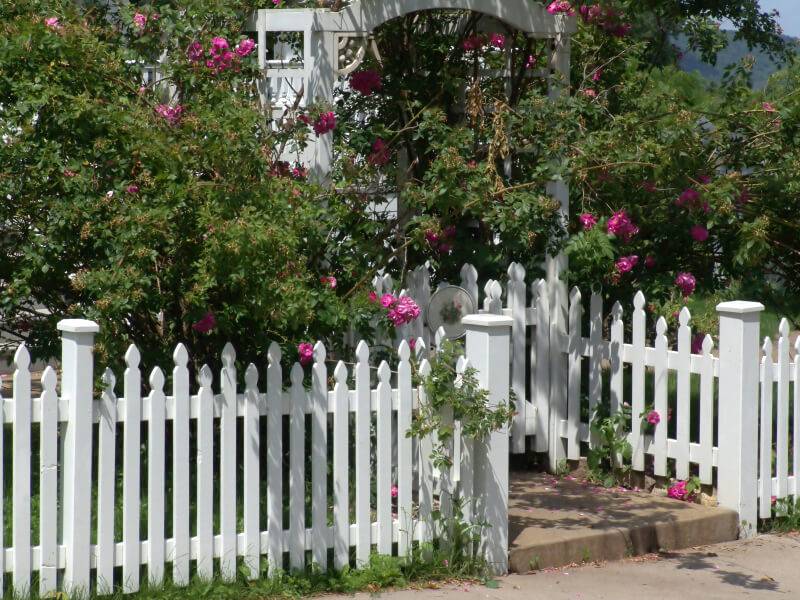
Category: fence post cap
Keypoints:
(739, 307)
(487, 320)
(78, 326)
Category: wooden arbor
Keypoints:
(330, 44)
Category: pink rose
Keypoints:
(412, 343)
(387, 300)
(206, 324)
(195, 51)
(380, 153)
(171, 114)
(52, 23)
(653, 417)
(132, 189)
(140, 20)
(393, 491)
(373, 297)
(768, 107)
(498, 40)
(245, 47)
(366, 82)
(699, 233)
(649, 261)
(621, 226)
(325, 123)
(588, 221)
(560, 6)
(305, 351)
(687, 283)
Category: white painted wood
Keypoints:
(683, 406)
(737, 472)
(131, 471)
(559, 304)
(661, 374)
(574, 386)
(615, 360)
(796, 408)
(21, 471)
(516, 302)
(469, 281)
(487, 349)
(782, 447)
(595, 358)
(707, 412)
(297, 470)
(765, 437)
(275, 458)
(637, 381)
(404, 456)
(341, 468)
(156, 437)
(227, 476)
(106, 481)
(319, 457)
(48, 486)
(541, 372)
(384, 460)
(252, 473)
(77, 344)
(426, 482)
(493, 302)
(3, 515)
(180, 467)
(464, 460)
(205, 475)
(363, 445)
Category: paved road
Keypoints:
(765, 567)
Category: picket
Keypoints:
(205, 475)
(131, 443)
(595, 358)
(384, 460)
(252, 473)
(274, 458)
(156, 436)
(516, 302)
(341, 468)
(540, 366)
(782, 448)
(615, 362)
(404, 457)
(661, 375)
(707, 412)
(319, 458)
(297, 469)
(21, 471)
(574, 374)
(796, 423)
(181, 552)
(48, 487)
(363, 425)
(637, 381)
(765, 436)
(425, 469)
(682, 412)
(227, 470)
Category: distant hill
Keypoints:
(735, 51)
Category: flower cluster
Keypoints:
(305, 352)
(398, 310)
(441, 241)
(325, 123)
(52, 23)
(699, 233)
(621, 226)
(282, 168)
(140, 20)
(680, 491)
(498, 40)
(206, 324)
(220, 56)
(171, 114)
(607, 18)
(625, 264)
(328, 280)
(686, 282)
(380, 153)
(560, 6)
(588, 221)
(692, 199)
(366, 82)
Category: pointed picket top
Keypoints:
(767, 348)
(319, 352)
(439, 337)
(340, 373)
(388, 283)
(684, 317)
(403, 293)
(616, 311)
(404, 351)
(251, 376)
(49, 379)
(157, 380)
(180, 356)
(274, 354)
(493, 289)
(362, 352)
(132, 357)
(797, 349)
(420, 348)
(783, 328)
(469, 274)
(109, 380)
(297, 374)
(424, 368)
(575, 295)
(384, 372)
(516, 272)
(540, 287)
(708, 345)
(639, 300)
(376, 283)
(487, 288)
(22, 358)
(228, 356)
(461, 364)
(205, 376)
(661, 326)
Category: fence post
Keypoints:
(739, 380)
(77, 379)
(488, 350)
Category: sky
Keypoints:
(790, 14)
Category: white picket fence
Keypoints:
(182, 429)
(731, 422)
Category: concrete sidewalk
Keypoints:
(764, 567)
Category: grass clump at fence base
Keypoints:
(785, 516)
(425, 566)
